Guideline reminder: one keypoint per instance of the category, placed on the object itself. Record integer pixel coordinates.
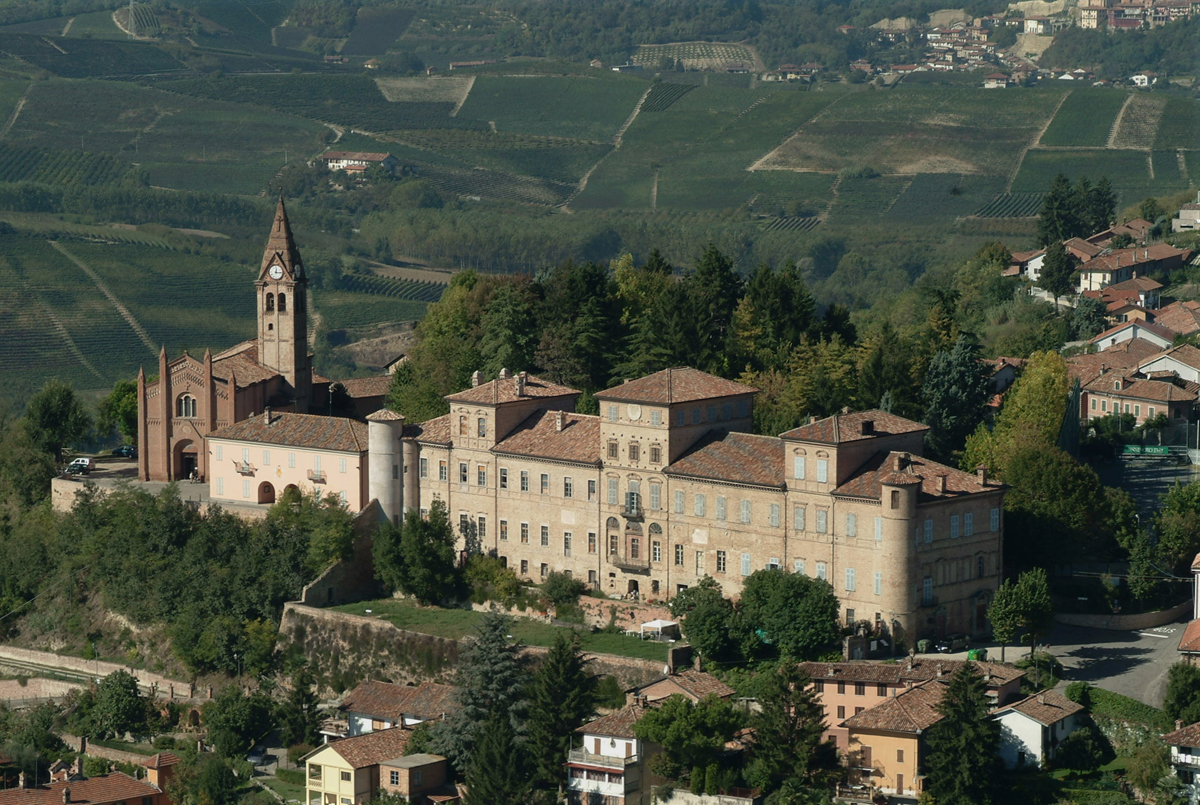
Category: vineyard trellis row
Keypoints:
(663, 96)
(1012, 205)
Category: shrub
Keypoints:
(1085, 750)
(294, 753)
(290, 776)
(1080, 693)
(561, 588)
(164, 742)
(609, 693)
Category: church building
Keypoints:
(192, 397)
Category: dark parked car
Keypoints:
(952, 643)
(125, 451)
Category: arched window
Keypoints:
(185, 406)
(655, 530)
(270, 302)
(283, 303)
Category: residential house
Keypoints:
(1183, 361)
(846, 689)
(1137, 228)
(1152, 332)
(374, 706)
(1124, 356)
(1081, 249)
(1119, 265)
(1181, 317)
(612, 763)
(691, 684)
(419, 779)
(1188, 217)
(1185, 758)
(1189, 642)
(160, 768)
(1144, 79)
(347, 771)
(359, 161)
(1038, 25)
(1032, 729)
(1004, 373)
(1143, 399)
(1129, 300)
(115, 788)
(996, 81)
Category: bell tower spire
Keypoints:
(282, 311)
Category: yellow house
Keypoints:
(346, 772)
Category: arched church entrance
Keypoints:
(266, 492)
(185, 460)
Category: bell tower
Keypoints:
(282, 311)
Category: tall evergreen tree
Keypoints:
(1059, 217)
(496, 772)
(1101, 205)
(491, 681)
(963, 746)
(955, 394)
(713, 290)
(789, 726)
(562, 697)
(299, 716)
(1058, 272)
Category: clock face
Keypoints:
(276, 272)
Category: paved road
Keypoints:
(1131, 663)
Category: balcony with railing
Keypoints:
(633, 507)
(244, 467)
(601, 774)
(316, 476)
(605, 761)
(633, 564)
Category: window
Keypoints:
(980, 568)
(185, 406)
(798, 567)
(245, 489)
(695, 416)
(726, 411)
(394, 777)
(481, 476)
(462, 473)
(994, 520)
(858, 710)
(464, 522)
(1150, 412)
(744, 513)
(267, 458)
(860, 688)
(283, 303)
(798, 467)
(592, 489)
(545, 536)
(773, 563)
(462, 426)
(424, 468)
(635, 548)
(524, 567)
(612, 491)
(773, 518)
(566, 543)
(745, 564)
(591, 542)
(720, 507)
(270, 302)
(899, 755)
(1093, 403)
(822, 521)
(504, 530)
(850, 581)
(712, 413)
(929, 530)
(524, 533)
(292, 460)
(743, 408)
(342, 497)
(678, 556)
(698, 507)
(699, 563)
(568, 488)
(481, 427)
(482, 527)
(1137, 410)
(317, 464)
(841, 711)
(524, 480)
(655, 497)
(656, 551)
(878, 583)
(545, 488)
(927, 590)
(655, 454)
(656, 418)
(968, 524)
(443, 471)
(721, 561)
(1104, 405)
(545, 568)
(635, 451)
(849, 617)
(821, 571)
(679, 503)
(314, 772)
(612, 413)
(347, 777)
(679, 417)
(798, 518)
(504, 478)
(612, 544)
(851, 524)
(954, 526)
(220, 486)
(822, 471)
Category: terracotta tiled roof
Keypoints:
(678, 384)
(299, 430)
(1136, 284)
(1190, 641)
(1153, 390)
(1046, 708)
(736, 457)
(1181, 317)
(882, 468)
(161, 760)
(371, 748)
(385, 415)
(434, 431)
(241, 361)
(1187, 736)
(539, 436)
(696, 684)
(1081, 247)
(363, 156)
(849, 427)
(386, 700)
(504, 390)
(1125, 258)
(618, 724)
(367, 386)
(1149, 326)
(1124, 357)
(914, 710)
(922, 668)
(1186, 354)
(113, 787)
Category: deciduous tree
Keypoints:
(55, 417)
(795, 613)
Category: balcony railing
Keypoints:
(603, 761)
(628, 563)
(244, 468)
(316, 476)
(633, 510)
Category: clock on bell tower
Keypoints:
(282, 311)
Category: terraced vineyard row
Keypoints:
(662, 96)
(47, 166)
(793, 223)
(394, 288)
(1012, 205)
(495, 185)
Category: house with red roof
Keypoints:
(115, 788)
(1185, 757)
(612, 762)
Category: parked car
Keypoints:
(952, 643)
(80, 466)
(125, 451)
(257, 756)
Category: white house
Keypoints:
(610, 764)
(1183, 360)
(1144, 78)
(358, 161)
(1032, 729)
(1156, 334)
(1188, 218)
(375, 706)
(1185, 758)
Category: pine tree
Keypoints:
(962, 764)
(1101, 206)
(955, 394)
(788, 732)
(495, 774)
(1058, 273)
(300, 718)
(490, 681)
(713, 290)
(1059, 217)
(563, 696)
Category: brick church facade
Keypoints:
(191, 398)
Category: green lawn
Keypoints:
(458, 623)
(289, 792)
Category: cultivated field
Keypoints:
(582, 108)
(1012, 205)
(1139, 124)
(718, 56)
(442, 89)
(1128, 171)
(1086, 118)
(376, 31)
(1180, 125)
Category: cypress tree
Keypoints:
(1059, 218)
(1058, 273)
(495, 775)
(563, 696)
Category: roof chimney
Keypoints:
(898, 462)
(77, 767)
(66, 794)
(560, 420)
(868, 427)
(940, 485)
(522, 378)
(267, 415)
(476, 378)
(505, 374)
(939, 672)
(21, 782)
(1178, 725)
(981, 473)
(1041, 698)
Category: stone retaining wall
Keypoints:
(29, 661)
(1146, 620)
(77, 744)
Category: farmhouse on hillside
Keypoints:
(358, 161)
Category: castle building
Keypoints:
(190, 397)
(667, 486)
